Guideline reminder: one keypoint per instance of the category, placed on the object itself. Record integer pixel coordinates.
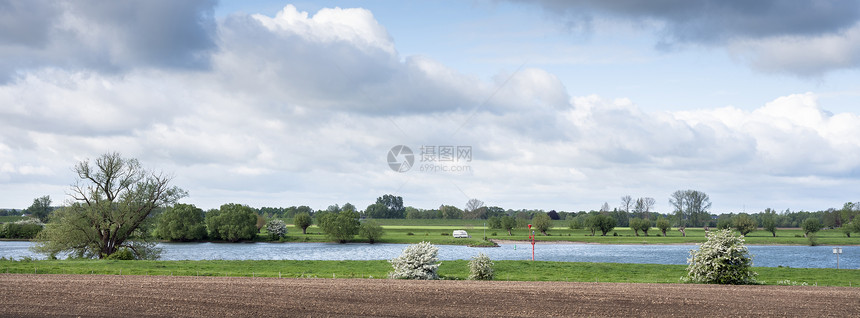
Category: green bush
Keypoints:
(232, 222)
(27, 229)
(481, 267)
(722, 259)
(182, 222)
(122, 254)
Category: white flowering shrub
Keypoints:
(481, 267)
(418, 261)
(276, 228)
(723, 259)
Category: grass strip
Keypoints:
(504, 270)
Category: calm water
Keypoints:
(767, 256)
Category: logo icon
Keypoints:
(400, 158)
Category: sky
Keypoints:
(553, 105)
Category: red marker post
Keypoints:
(532, 237)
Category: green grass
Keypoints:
(504, 270)
(11, 218)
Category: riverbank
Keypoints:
(450, 270)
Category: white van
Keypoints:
(461, 234)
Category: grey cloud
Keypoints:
(720, 20)
(110, 36)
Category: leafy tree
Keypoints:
(576, 223)
(744, 223)
(847, 228)
(276, 228)
(724, 222)
(370, 230)
(508, 224)
(553, 215)
(664, 225)
(303, 221)
(634, 225)
(810, 226)
(542, 223)
(40, 208)
(112, 199)
(592, 223)
(261, 222)
(481, 267)
(181, 222)
(341, 226)
(768, 221)
(376, 211)
(24, 229)
(451, 212)
(232, 222)
(605, 223)
(393, 208)
(418, 261)
(723, 259)
(495, 222)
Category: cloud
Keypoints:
(301, 109)
(805, 38)
(109, 37)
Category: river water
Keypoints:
(766, 256)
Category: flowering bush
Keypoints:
(481, 267)
(276, 228)
(418, 261)
(723, 259)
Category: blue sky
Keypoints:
(564, 104)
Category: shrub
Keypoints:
(723, 259)
(481, 267)
(418, 261)
(123, 254)
(232, 222)
(340, 227)
(181, 222)
(370, 230)
(276, 228)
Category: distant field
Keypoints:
(439, 232)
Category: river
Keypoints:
(763, 255)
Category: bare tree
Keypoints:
(626, 203)
(605, 207)
(474, 209)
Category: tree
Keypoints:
(634, 225)
(112, 199)
(626, 203)
(418, 261)
(393, 207)
(768, 221)
(542, 223)
(601, 222)
(691, 207)
(847, 228)
(340, 227)
(181, 222)
(722, 259)
(744, 223)
(376, 211)
(40, 208)
(303, 221)
(810, 226)
(664, 225)
(370, 230)
(276, 228)
(495, 222)
(232, 222)
(451, 212)
(508, 224)
(553, 215)
(474, 209)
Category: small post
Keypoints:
(837, 251)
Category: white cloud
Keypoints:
(300, 109)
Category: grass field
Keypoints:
(504, 270)
(439, 232)
(11, 218)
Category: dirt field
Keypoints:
(119, 296)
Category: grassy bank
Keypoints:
(439, 232)
(505, 270)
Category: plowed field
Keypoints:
(134, 296)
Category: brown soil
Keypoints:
(121, 296)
